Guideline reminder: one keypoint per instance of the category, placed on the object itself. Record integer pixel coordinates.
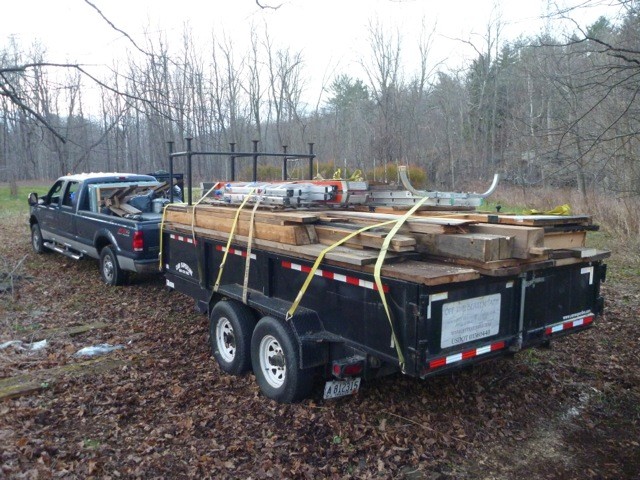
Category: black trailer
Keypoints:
(439, 321)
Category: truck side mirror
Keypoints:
(33, 199)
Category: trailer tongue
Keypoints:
(352, 288)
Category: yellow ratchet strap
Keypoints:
(378, 268)
(164, 216)
(193, 213)
(193, 229)
(303, 290)
(233, 230)
(247, 265)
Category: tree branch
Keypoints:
(116, 28)
(265, 7)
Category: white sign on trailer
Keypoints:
(468, 320)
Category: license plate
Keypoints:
(340, 388)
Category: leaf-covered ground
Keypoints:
(569, 412)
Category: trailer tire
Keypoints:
(110, 270)
(230, 327)
(276, 359)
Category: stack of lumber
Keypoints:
(432, 245)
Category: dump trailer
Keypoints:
(316, 288)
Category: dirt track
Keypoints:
(167, 410)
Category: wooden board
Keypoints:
(480, 247)
(36, 335)
(32, 382)
(562, 240)
(413, 224)
(427, 273)
(500, 268)
(524, 238)
(269, 215)
(329, 234)
(526, 220)
(597, 256)
(344, 255)
(287, 234)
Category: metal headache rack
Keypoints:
(304, 193)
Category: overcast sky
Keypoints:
(332, 34)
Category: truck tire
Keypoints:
(36, 240)
(275, 359)
(110, 270)
(230, 327)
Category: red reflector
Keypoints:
(138, 241)
(336, 370)
(354, 369)
(438, 363)
(468, 354)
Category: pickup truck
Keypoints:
(77, 218)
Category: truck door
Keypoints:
(50, 212)
(68, 206)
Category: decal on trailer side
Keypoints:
(468, 320)
(184, 269)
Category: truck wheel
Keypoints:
(36, 240)
(275, 359)
(230, 327)
(110, 271)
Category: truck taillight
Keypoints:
(138, 241)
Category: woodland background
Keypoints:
(555, 110)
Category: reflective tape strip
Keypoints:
(466, 355)
(235, 251)
(358, 282)
(570, 324)
(180, 238)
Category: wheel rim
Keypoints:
(108, 268)
(272, 361)
(226, 340)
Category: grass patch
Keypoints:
(17, 204)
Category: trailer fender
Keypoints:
(308, 329)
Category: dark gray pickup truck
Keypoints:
(79, 217)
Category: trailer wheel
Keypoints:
(110, 270)
(275, 358)
(36, 240)
(230, 327)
